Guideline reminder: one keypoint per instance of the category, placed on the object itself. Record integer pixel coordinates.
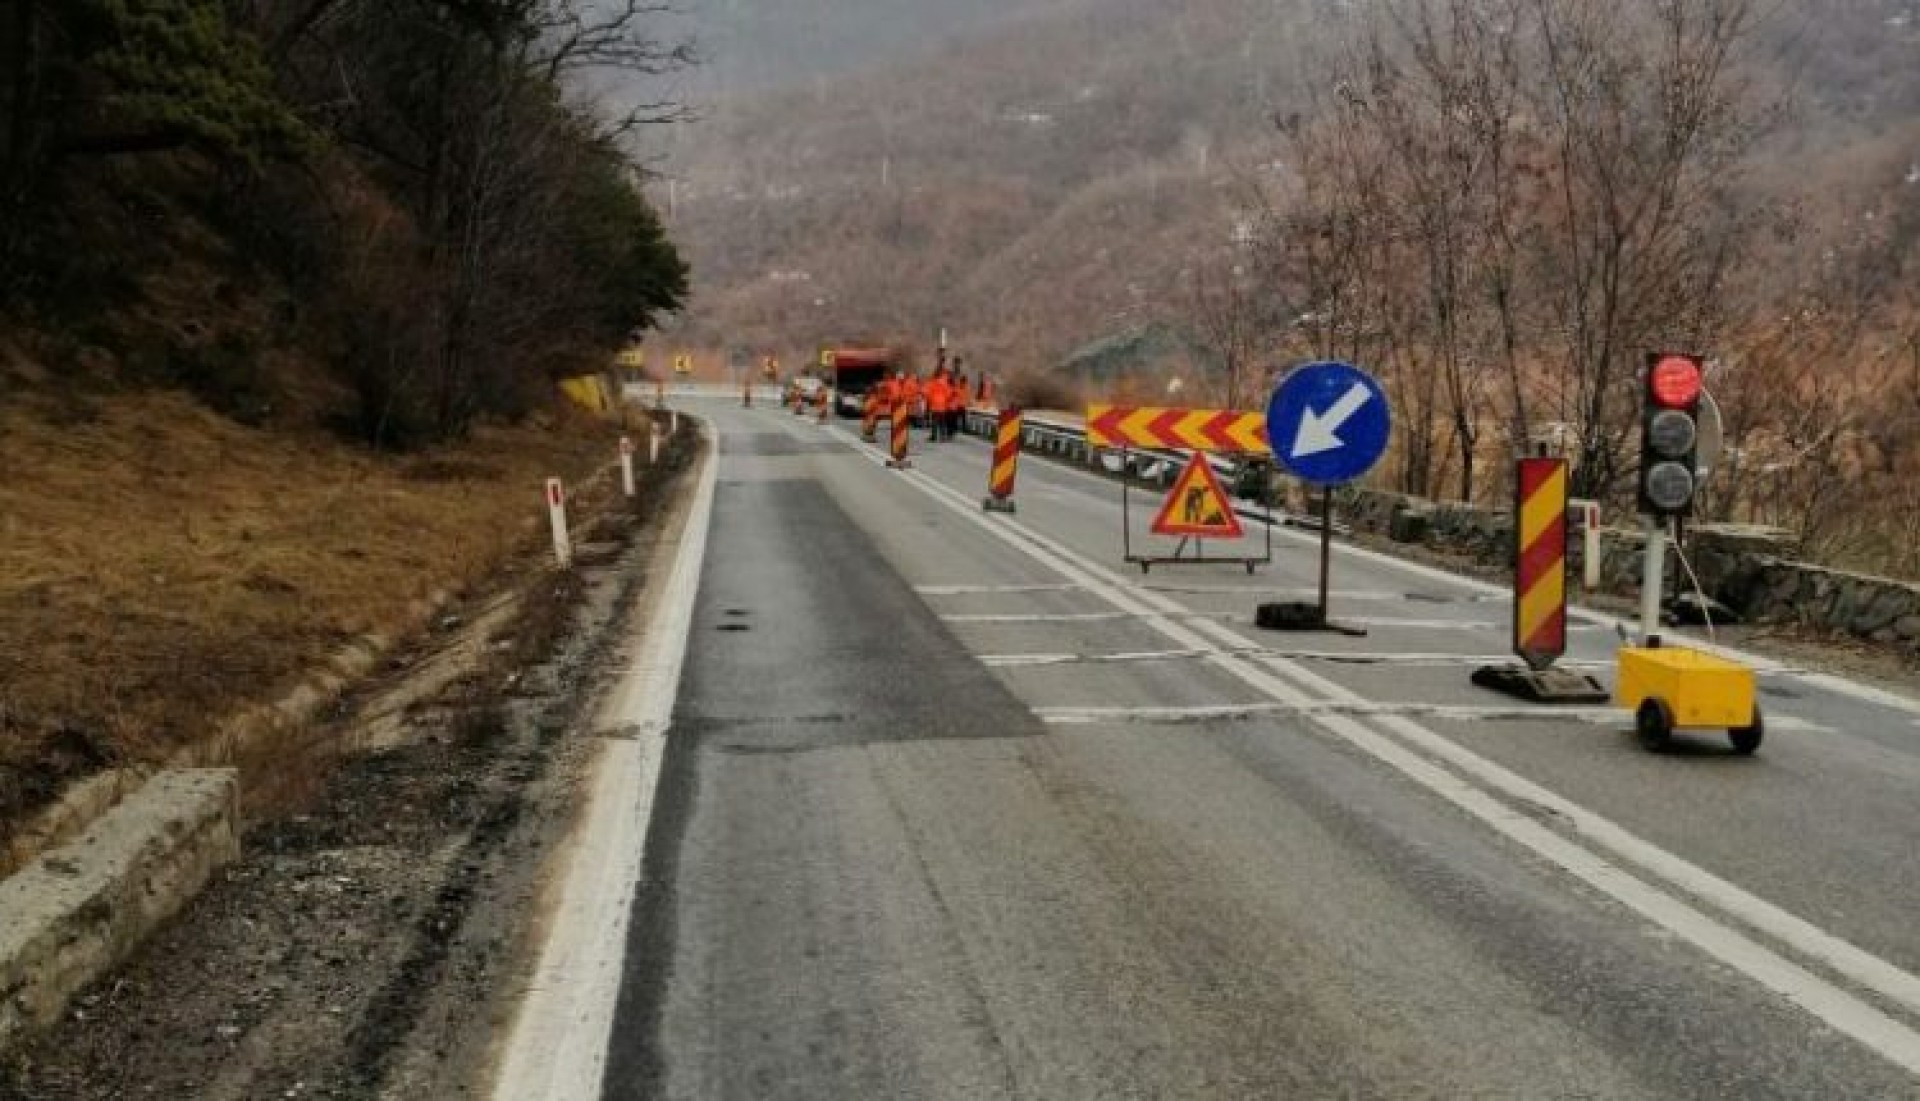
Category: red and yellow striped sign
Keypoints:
(1540, 581)
(1006, 455)
(1196, 429)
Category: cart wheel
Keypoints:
(1146, 567)
(1653, 724)
(1746, 739)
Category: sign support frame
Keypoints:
(1179, 557)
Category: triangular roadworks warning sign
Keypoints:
(1197, 506)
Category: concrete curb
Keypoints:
(80, 909)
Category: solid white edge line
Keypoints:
(1883, 1034)
(557, 1049)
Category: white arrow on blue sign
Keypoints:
(1328, 422)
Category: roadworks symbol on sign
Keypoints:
(1197, 506)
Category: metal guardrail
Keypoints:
(1051, 434)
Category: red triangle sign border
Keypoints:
(1198, 522)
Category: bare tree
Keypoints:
(1226, 310)
(1642, 122)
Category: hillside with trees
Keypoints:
(285, 287)
(1500, 207)
(405, 195)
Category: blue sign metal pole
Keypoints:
(1328, 423)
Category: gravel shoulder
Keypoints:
(370, 940)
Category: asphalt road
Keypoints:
(957, 805)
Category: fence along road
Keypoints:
(965, 812)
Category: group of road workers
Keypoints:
(939, 403)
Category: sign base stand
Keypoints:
(1548, 685)
(1300, 616)
(1294, 615)
(998, 504)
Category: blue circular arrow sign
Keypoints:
(1328, 422)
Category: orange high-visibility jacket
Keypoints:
(939, 394)
(910, 393)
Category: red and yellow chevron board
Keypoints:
(1195, 429)
(1540, 581)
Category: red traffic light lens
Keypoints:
(1674, 381)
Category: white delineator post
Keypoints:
(557, 515)
(1590, 536)
(653, 444)
(673, 422)
(626, 464)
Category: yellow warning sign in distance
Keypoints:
(683, 364)
(1197, 506)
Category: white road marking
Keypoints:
(1337, 657)
(1438, 624)
(991, 590)
(1873, 1028)
(1305, 592)
(558, 1047)
(1081, 716)
(1067, 617)
(1591, 715)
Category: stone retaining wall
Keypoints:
(1746, 567)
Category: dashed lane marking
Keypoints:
(1590, 716)
(991, 590)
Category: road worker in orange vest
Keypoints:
(910, 394)
(957, 409)
(939, 390)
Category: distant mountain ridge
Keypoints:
(1037, 187)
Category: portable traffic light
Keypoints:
(1669, 433)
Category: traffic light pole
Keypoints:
(1653, 581)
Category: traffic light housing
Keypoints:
(1670, 433)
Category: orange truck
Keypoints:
(852, 371)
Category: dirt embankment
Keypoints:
(163, 568)
(366, 944)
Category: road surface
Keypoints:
(954, 805)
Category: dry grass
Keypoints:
(161, 566)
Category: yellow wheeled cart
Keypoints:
(1672, 688)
